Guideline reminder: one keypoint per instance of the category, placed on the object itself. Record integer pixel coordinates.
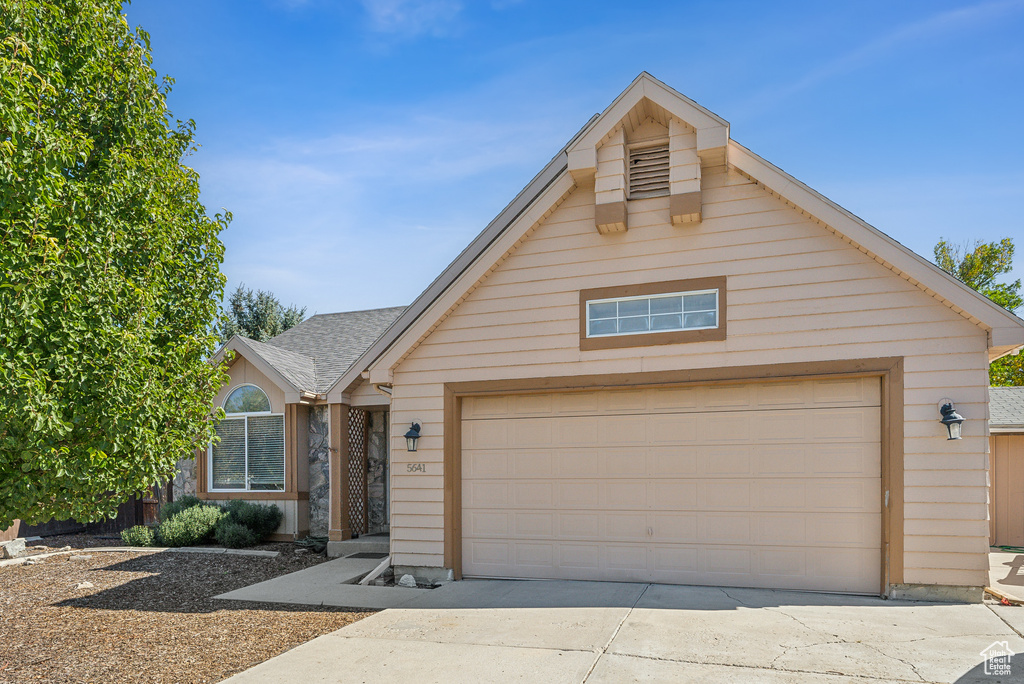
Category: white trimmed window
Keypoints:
(249, 456)
(668, 312)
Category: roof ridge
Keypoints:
(339, 313)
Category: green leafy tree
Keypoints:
(110, 276)
(258, 315)
(979, 265)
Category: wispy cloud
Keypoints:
(346, 208)
(412, 17)
(935, 26)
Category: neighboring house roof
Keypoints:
(1006, 409)
(1005, 330)
(311, 356)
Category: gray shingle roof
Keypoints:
(298, 369)
(1006, 407)
(318, 351)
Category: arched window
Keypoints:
(247, 399)
(249, 452)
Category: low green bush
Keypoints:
(169, 510)
(140, 535)
(194, 525)
(234, 535)
(261, 519)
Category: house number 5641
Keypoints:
(415, 467)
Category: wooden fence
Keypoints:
(134, 511)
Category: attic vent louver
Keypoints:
(648, 171)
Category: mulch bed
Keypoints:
(148, 617)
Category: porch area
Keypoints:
(359, 503)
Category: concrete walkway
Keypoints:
(1006, 574)
(516, 631)
(328, 584)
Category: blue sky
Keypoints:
(361, 145)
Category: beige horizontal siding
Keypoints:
(795, 293)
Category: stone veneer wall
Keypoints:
(319, 471)
(377, 473)
(184, 482)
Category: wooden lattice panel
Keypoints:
(357, 426)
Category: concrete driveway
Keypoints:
(514, 631)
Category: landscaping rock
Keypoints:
(84, 585)
(84, 556)
(407, 581)
(12, 549)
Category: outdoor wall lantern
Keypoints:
(951, 419)
(413, 436)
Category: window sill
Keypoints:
(253, 496)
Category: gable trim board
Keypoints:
(504, 318)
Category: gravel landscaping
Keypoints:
(148, 616)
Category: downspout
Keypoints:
(382, 389)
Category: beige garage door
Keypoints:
(771, 484)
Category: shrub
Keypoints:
(194, 525)
(169, 510)
(261, 519)
(140, 535)
(234, 535)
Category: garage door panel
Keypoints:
(539, 555)
(584, 525)
(533, 494)
(844, 392)
(585, 494)
(530, 525)
(576, 431)
(485, 464)
(725, 528)
(620, 463)
(625, 526)
(489, 524)
(772, 484)
(484, 494)
(627, 557)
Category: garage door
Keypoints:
(773, 484)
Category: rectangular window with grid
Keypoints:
(648, 171)
(249, 455)
(653, 313)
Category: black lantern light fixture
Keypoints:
(951, 419)
(412, 437)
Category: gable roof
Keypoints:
(311, 356)
(333, 341)
(298, 369)
(1005, 330)
(1006, 409)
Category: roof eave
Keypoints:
(238, 344)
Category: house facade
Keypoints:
(669, 361)
(275, 440)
